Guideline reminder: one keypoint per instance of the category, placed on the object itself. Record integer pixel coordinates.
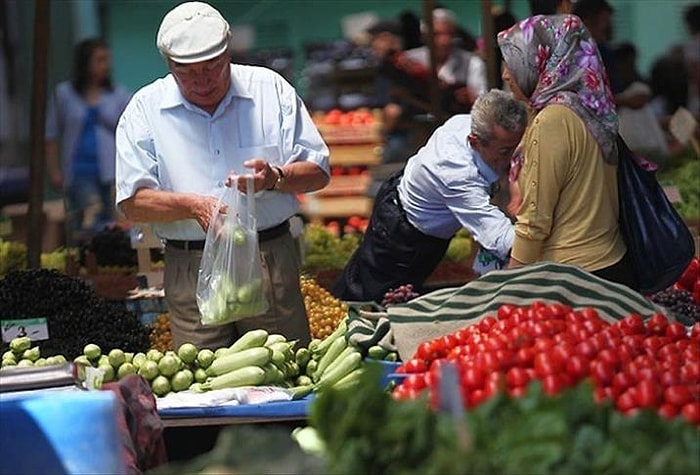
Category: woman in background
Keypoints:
(569, 209)
(81, 122)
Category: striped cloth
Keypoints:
(447, 310)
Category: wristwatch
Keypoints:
(280, 179)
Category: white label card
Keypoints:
(35, 328)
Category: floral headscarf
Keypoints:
(554, 60)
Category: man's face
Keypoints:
(205, 83)
(383, 43)
(498, 151)
(443, 34)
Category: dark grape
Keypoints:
(400, 294)
(680, 303)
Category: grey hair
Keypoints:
(497, 107)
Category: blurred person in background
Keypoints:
(461, 74)
(569, 212)
(386, 46)
(446, 186)
(206, 125)
(81, 121)
(639, 126)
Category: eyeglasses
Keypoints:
(211, 68)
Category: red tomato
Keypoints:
(543, 343)
(627, 400)
(691, 412)
(425, 351)
(415, 381)
(476, 397)
(516, 391)
(675, 331)
(690, 372)
(695, 330)
(548, 363)
(602, 372)
(678, 395)
(621, 381)
(670, 377)
(610, 357)
(553, 384)
(632, 324)
(525, 356)
(577, 366)
(559, 309)
(486, 323)
(668, 411)
(473, 378)
(413, 365)
(657, 324)
(517, 377)
(648, 393)
(586, 348)
(462, 335)
(505, 311)
(446, 343)
(403, 393)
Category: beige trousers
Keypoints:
(280, 271)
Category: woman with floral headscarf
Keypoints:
(568, 180)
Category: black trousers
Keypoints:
(622, 272)
(392, 252)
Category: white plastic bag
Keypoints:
(229, 286)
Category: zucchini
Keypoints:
(325, 344)
(336, 373)
(336, 348)
(349, 350)
(245, 376)
(274, 338)
(250, 339)
(257, 356)
(299, 392)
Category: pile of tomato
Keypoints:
(635, 363)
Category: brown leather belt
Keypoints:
(264, 235)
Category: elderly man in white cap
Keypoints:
(206, 125)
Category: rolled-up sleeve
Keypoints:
(487, 224)
(300, 137)
(136, 165)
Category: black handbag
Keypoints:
(658, 240)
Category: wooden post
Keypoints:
(38, 117)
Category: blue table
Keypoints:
(276, 411)
(59, 432)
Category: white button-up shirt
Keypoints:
(166, 143)
(446, 186)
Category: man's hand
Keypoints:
(204, 208)
(264, 176)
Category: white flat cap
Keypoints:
(193, 32)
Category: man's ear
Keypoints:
(473, 140)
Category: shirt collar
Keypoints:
(174, 98)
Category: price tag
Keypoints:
(35, 328)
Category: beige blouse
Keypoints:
(569, 212)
